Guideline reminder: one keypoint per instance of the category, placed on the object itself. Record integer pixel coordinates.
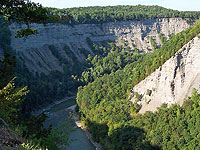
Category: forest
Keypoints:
(109, 115)
(176, 127)
(98, 14)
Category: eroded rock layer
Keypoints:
(173, 81)
(72, 40)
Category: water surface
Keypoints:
(58, 115)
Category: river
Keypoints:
(58, 114)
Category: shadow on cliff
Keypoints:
(124, 138)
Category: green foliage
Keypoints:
(23, 11)
(69, 53)
(169, 128)
(105, 100)
(98, 14)
(46, 88)
(56, 53)
(4, 34)
(153, 44)
(46, 137)
(29, 146)
(25, 33)
(162, 38)
(137, 96)
(6, 69)
(110, 62)
(34, 127)
(10, 99)
(97, 50)
(84, 51)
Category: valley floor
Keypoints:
(58, 113)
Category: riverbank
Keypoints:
(53, 104)
(57, 114)
(79, 124)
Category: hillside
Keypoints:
(108, 113)
(106, 14)
(172, 82)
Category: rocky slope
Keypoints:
(173, 81)
(38, 57)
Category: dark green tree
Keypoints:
(23, 11)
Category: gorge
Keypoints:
(37, 56)
(128, 72)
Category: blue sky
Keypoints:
(173, 4)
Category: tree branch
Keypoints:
(4, 123)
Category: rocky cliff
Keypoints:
(173, 81)
(57, 43)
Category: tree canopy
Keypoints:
(23, 11)
(99, 14)
(113, 119)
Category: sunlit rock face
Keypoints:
(173, 81)
(35, 52)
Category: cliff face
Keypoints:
(36, 54)
(173, 81)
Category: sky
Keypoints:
(182, 5)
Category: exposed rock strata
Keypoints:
(34, 50)
(173, 81)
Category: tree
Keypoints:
(10, 98)
(6, 69)
(23, 11)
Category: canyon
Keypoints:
(35, 51)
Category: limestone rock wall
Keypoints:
(173, 81)
(35, 53)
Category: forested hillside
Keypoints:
(99, 14)
(104, 103)
(168, 128)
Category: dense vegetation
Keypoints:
(168, 128)
(109, 116)
(116, 58)
(99, 14)
(104, 103)
(16, 131)
(41, 90)
(45, 89)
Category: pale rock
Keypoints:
(173, 81)
(38, 58)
